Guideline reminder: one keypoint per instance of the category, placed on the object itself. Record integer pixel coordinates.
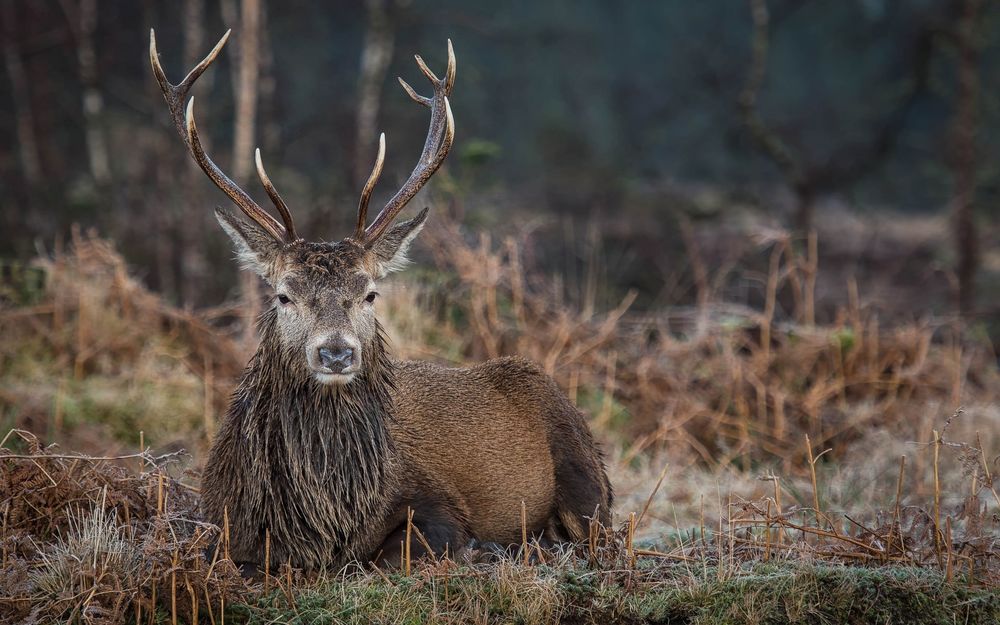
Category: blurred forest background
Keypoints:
(795, 194)
(652, 136)
(739, 234)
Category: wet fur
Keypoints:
(331, 471)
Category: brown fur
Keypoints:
(330, 470)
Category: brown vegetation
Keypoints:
(720, 393)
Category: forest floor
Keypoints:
(768, 468)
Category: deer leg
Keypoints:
(583, 490)
(440, 525)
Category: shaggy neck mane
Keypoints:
(315, 417)
(327, 448)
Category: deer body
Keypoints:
(329, 445)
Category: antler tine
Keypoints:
(176, 94)
(286, 215)
(366, 193)
(186, 128)
(440, 136)
(242, 199)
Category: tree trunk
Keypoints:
(270, 130)
(375, 57)
(964, 157)
(805, 204)
(189, 223)
(246, 89)
(83, 22)
(245, 84)
(24, 119)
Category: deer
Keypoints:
(332, 452)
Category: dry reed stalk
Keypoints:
(267, 558)
(142, 450)
(592, 534)
(524, 533)
(777, 507)
(947, 543)
(194, 600)
(937, 498)
(208, 605)
(652, 493)
(409, 531)
(425, 544)
(721, 546)
(3, 536)
(812, 476)
(767, 533)
(288, 577)
(225, 531)
(770, 299)
(173, 589)
(811, 270)
(818, 531)
(651, 553)
(159, 493)
(630, 540)
(286, 589)
(895, 508)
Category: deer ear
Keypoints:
(256, 249)
(389, 252)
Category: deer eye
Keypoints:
(371, 297)
(284, 299)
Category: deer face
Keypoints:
(324, 293)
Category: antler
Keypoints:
(186, 128)
(440, 136)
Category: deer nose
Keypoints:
(336, 357)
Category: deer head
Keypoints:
(324, 293)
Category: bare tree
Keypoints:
(246, 78)
(964, 158)
(245, 88)
(189, 260)
(808, 177)
(375, 58)
(21, 97)
(82, 18)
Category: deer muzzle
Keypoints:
(335, 361)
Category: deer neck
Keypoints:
(337, 435)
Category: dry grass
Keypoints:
(90, 540)
(91, 356)
(760, 452)
(723, 383)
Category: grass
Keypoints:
(764, 451)
(755, 595)
(89, 539)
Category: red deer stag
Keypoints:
(328, 442)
